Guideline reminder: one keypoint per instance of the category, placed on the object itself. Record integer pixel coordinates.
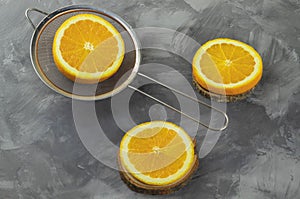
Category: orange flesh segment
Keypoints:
(84, 32)
(226, 63)
(157, 152)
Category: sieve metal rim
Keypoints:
(80, 8)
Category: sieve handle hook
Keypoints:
(28, 10)
(226, 122)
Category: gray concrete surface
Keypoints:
(41, 155)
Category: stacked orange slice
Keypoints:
(227, 67)
(157, 153)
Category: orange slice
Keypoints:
(88, 49)
(157, 152)
(227, 67)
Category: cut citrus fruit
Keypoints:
(88, 49)
(157, 152)
(227, 67)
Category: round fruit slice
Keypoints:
(88, 49)
(157, 152)
(227, 67)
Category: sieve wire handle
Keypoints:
(187, 96)
(28, 10)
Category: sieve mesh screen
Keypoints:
(47, 70)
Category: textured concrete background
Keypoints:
(41, 155)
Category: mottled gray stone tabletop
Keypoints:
(42, 155)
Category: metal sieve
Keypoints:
(43, 63)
